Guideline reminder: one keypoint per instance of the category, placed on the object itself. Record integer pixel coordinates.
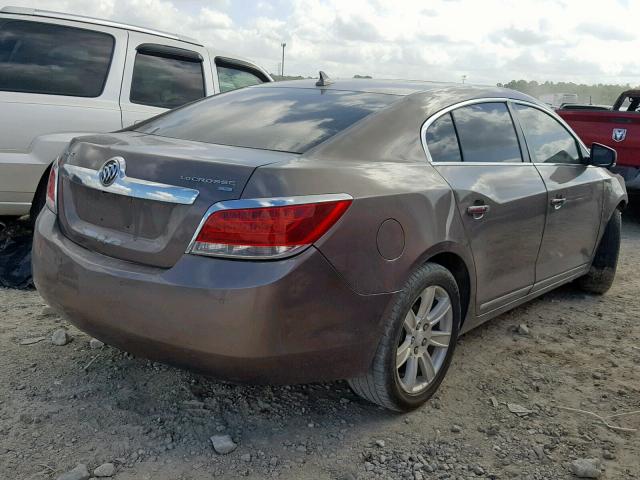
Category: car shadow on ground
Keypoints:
(15, 253)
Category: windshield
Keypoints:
(272, 118)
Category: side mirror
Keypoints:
(602, 156)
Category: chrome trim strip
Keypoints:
(15, 204)
(264, 202)
(132, 187)
(481, 164)
(435, 116)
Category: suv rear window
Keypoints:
(166, 79)
(52, 59)
(269, 118)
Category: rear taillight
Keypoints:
(52, 188)
(267, 228)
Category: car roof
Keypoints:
(455, 92)
(95, 21)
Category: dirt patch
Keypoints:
(497, 415)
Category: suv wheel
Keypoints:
(418, 342)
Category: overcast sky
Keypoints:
(489, 41)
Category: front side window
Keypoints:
(166, 81)
(52, 59)
(442, 142)
(486, 133)
(233, 78)
(548, 141)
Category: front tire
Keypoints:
(418, 342)
(605, 262)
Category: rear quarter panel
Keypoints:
(413, 194)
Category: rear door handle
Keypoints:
(558, 202)
(477, 211)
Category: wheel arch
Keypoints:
(458, 261)
(456, 265)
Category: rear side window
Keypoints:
(442, 141)
(233, 78)
(166, 81)
(269, 118)
(52, 59)
(486, 133)
(548, 141)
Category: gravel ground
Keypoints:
(497, 415)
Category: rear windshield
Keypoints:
(273, 118)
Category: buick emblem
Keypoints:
(111, 170)
(619, 134)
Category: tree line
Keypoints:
(599, 94)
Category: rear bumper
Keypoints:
(631, 176)
(286, 321)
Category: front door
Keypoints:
(575, 195)
(501, 198)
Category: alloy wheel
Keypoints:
(425, 339)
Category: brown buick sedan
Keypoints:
(303, 231)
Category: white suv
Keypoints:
(65, 75)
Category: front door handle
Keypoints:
(477, 211)
(558, 202)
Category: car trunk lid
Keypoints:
(150, 212)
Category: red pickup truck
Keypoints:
(618, 127)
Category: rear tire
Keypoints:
(411, 360)
(605, 262)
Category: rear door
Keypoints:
(162, 74)
(574, 199)
(500, 196)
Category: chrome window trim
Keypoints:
(483, 164)
(450, 108)
(244, 203)
(132, 187)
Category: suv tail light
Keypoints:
(52, 188)
(267, 228)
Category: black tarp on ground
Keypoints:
(15, 253)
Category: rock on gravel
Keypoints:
(95, 344)
(223, 444)
(105, 470)
(78, 473)
(60, 337)
(586, 468)
(523, 330)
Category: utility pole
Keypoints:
(282, 66)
